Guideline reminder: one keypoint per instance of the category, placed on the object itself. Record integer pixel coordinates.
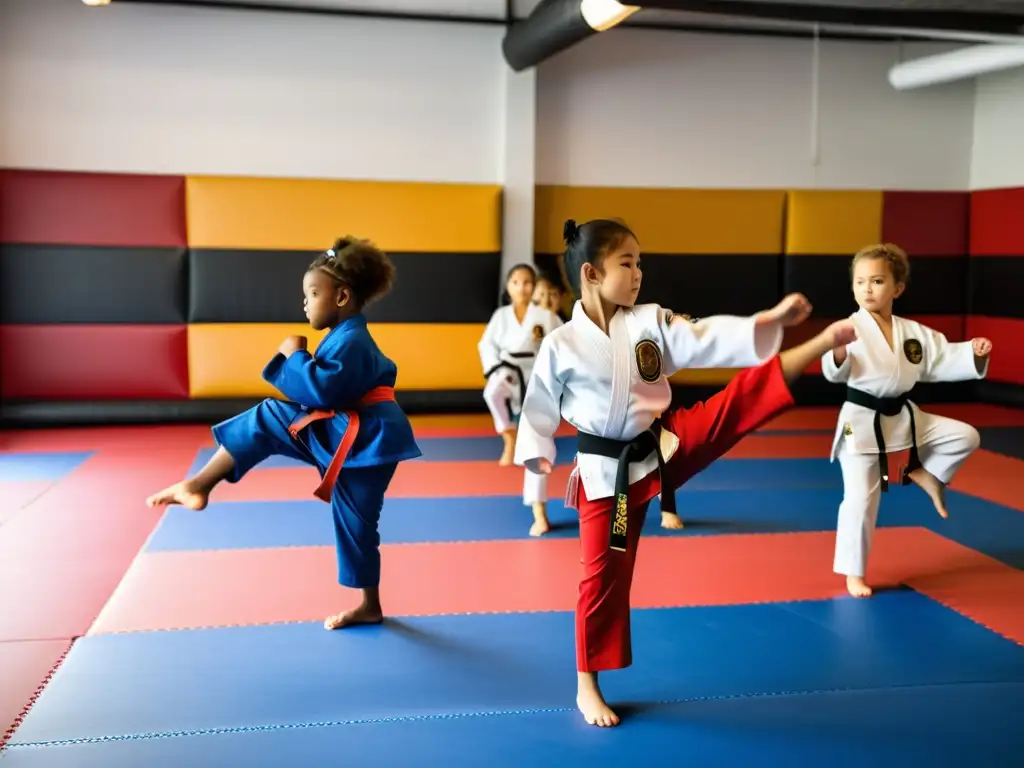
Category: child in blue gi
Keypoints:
(340, 411)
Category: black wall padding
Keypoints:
(266, 287)
(997, 286)
(49, 284)
(702, 285)
(937, 285)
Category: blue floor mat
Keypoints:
(31, 467)
(294, 674)
(938, 726)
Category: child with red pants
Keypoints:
(606, 373)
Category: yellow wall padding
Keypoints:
(226, 360)
(308, 214)
(668, 221)
(832, 222)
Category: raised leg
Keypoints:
(943, 446)
(243, 442)
(710, 429)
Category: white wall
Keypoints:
(147, 89)
(142, 88)
(644, 108)
(998, 157)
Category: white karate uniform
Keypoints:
(594, 382)
(507, 340)
(515, 344)
(943, 444)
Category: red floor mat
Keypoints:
(24, 667)
(62, 556)
(993, 477)
(180, 590)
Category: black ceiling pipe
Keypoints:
(918, 15)
(554, 26)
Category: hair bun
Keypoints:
(569, 231)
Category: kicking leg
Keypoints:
(356, 503)
(858, 515)
(243, 442)
(943, 446)
(602, 610)
(535, 496)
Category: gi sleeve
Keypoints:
(541, 412)
(490, 352)
(836, 373)
(720, 341)
(316, 383)
(947, 361)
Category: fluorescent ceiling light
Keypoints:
(956, 65)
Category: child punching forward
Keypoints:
(606, 373)
(340, 416)
(890, 356)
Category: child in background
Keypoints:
(549, 293)
(890, 356)
(605, 372)
(340, 416)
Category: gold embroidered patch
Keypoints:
(847, 429)
(913, 350)
(538, 332)
(621, 515)
(648, 360)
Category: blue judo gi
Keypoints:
(346, 366)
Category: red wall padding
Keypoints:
(92, 209)
(927, 223)
(1007, 364)
(997, 222)
(92, 362)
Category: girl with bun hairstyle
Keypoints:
(606, 372)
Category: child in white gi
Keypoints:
(890, 356)
(507, 352)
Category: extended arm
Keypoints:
(950, 361)
(835, 364)
(720, 341)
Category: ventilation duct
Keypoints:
(556, 25)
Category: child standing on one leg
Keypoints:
(340, 416)
(605, 372)
(891, 355)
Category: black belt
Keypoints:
(628, 452)
(888, 406)
(519, 375)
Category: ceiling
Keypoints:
(876, 18)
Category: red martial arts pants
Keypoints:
(706, 432)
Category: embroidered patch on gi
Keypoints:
(913, 350)
(538, 332)
(648, 360)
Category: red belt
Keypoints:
(376, 395)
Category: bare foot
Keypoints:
(364, 614)
(540, 520)
(858, 587)
(671, 520)
(931, 485)
(592, 704)
(508, 454)
(186, 493)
